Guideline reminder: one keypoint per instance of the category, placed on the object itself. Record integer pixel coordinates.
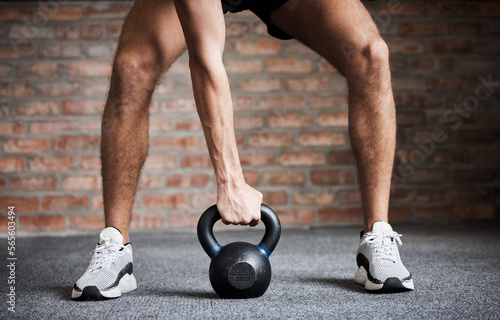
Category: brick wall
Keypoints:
(290, 115)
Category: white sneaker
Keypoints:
(379, 264)
(109, 273)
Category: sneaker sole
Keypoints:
(127, 283)
(390, 285)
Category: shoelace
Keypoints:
(383, 245)
(104, 254)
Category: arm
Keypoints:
(204, 31)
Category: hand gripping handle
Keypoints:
(212, 215)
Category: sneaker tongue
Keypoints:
(113, 234)
(381, 226)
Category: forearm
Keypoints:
(214, 105)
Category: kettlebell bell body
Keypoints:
(239, 269)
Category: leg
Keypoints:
(345, 35)
(151, 40)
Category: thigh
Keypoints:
(333, 28)
(153, 32)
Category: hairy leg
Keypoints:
(344, 34)
(151, 40)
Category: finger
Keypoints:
(253, 223)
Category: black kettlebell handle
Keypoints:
(212, 215)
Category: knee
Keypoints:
(371, 61)
(134, 74)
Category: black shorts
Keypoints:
(262, 9)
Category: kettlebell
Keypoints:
(239, 270)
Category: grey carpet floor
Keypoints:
(456, 272)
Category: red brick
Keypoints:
(65, 203)
(322, 139)
(175, 143)
(80, 182)
(178, 106)
(149, 181)
(400, 214)
(314, 197)
(450, 156)
(28, 145)
(28, 205)
(260, 85)
(342, 157)
(474, 212)
(428, 175)
(80, 107)
(349, 197)
(465, 28)
(46, 89)
(245, 66)
(487, 156)
(237, 29)
(483, 135)
(271, 140)
(11, 128)
(89, 69)
(32, 183)
(203, 200)
(290, 120)
(17, 13)
(257, 158)
(160, 161)
(9, 51)
(419, 29)
(146, 221)
(271, 103)
(88, 222)
(15, 89)
(427, 102)
(399, 8)
(82, 144)
(54, 126)
(340, 216)
(485, 9)
(456, 8)
(248, 122)
(405, 46)
(36, 108)
(333, 119)
(283, 177)
(45, 69)
(250, 177)
(282, 65)
(44, 164)
(77, 32)
(11, 164)
(302, 158)
(454, 195)
(94, 87)
(408, 84)
(187, 180)
(165, 201)
(332, 176)
(108, 11)
(331, 101)
(299, 216)
(473, 175)
(59, 50)
(273, 198)
(260, 47)
(184, 219)
(193, 124)
(325, 67)
(42, 223)
(5, 69)
(196, 161)
(433, 213)
(451, 46)
(308, 84)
